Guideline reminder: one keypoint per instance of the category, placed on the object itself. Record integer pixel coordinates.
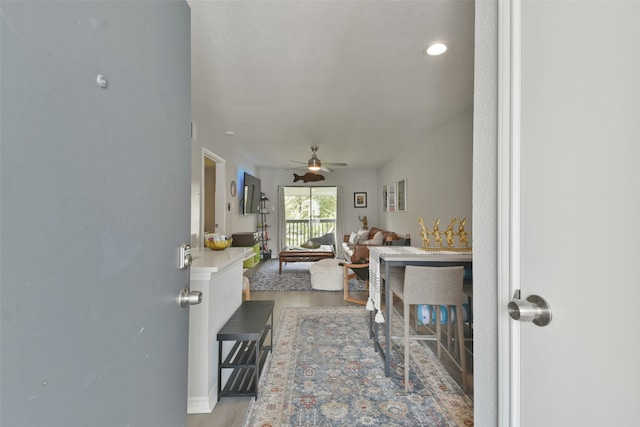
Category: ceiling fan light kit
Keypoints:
(314, 164)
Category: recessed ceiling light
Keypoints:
(436, 49)
(229, 132)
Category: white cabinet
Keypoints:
(218, 275)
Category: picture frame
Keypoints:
(402, 195)
(360, 200)
(384, 199)
(391, 197)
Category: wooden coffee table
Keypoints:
(300, 254)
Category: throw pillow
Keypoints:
(353, 238)
(378, 239)
(363, 235)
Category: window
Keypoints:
(310, 212)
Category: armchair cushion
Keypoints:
(378, 239)
(363, 234)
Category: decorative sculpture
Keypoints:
(449, 233)
(462, 235)
(437, 237)
(364, 220)
(426, 241)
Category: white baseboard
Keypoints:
(201, 404)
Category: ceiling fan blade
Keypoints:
(334, 164)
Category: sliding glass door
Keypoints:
(310, 213)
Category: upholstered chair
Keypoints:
(436, 286)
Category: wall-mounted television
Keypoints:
(251, 194)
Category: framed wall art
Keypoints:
(385, 206)
(402, 195)
(391, 197)
(359, 200)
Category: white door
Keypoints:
(576, 211)
(95, 202)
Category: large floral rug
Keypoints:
(324, 372)
(295, 277)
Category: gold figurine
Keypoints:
(464, 241)
(437, 237)
(365, 224)
(426, 242)
(449, 233)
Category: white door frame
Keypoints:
(508, 210)
(221, 194)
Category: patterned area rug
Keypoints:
(324, 372)
(295, 277)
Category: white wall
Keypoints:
(234, 166)
(485, 276)
(438, 170)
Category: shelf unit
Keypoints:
(249, 327)
(263, 233)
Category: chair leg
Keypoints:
(346, 282)
(438, 330)
(348, 297)
(463, 355)
(449, 327)
(405, 316)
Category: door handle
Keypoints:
(189, 298)
(533, 309)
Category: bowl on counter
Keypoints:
(219, 245)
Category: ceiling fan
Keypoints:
(314, 164)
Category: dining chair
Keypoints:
(436, 286)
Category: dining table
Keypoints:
(381, 260)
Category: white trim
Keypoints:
(509, 111)
(200, 404)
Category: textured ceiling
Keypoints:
(347, 76)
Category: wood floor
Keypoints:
(231, 411)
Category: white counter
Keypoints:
(206, 261)
(218, 275)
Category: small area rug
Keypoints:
(295, 277)
(324, 372)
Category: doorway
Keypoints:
(310, 212)
(212, 196)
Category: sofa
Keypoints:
(355, 246)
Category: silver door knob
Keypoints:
(189, 298)
(534, 309)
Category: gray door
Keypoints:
(94, 205)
